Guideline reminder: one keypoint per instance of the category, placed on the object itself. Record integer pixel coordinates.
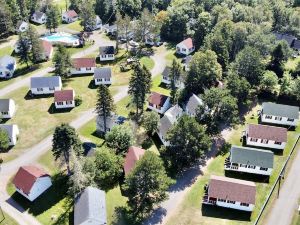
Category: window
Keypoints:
(268, 117)
(278, 118)
(78, 69)
(107, 79)
(231, 202)
(244, 204)
(253, 139)
(221, 200)
(290, 120)
(69, 102)
(277, 143)
(264, 141)
(99, 80)
(263, 169)
(4, 113)
(251, 167)
(51, 88)
(158, 107)
(59, 103)
(150, 104)
(88, 68)
(183, 49)
(39, 89)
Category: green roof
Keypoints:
(274, 109)
(251, 156)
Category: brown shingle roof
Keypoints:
(187, 42)
(132, 156)
(26, 177)
(84, 62)
(232, 189)
(65, 95)
(71, 13)
(157, 99)
(47, 47)
(267, 132)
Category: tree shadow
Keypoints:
(6, 150)
(53, 110)
(92, 85)
(4, 120)
(122, 215)
(156, 140)
(225, 213)
(156, 216)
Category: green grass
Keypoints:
(191, 210)
(291, 64)
(148, 62)
(75, 26)
(88, 131)
(6, 219)
(6, 51)
(158, 87)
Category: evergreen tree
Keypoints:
(139, 87)
(146, 185)
(6, 21)
(88, 16)
(23, 9)
(53, 17)
(105, 104)
(4, 140)
(36, 45)
(65, 140)
(175, 73)
(24, 49)
(62, 62)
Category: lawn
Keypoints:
(148, 62)
(6, 50)
(191, 210)
(6, 219)
(75, 26)
(157, 86)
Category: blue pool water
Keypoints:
(63, 38)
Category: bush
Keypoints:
(78, 101)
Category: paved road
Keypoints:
(286, 205)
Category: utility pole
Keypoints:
(3, 216)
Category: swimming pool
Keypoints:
(62, 38)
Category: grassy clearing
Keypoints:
(6, 219)
(191, 210)
(75, 26)
(148, 62)
(157, 86)
(6, 51)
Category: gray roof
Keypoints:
(296, 45)
(251, 156)
(38, 14)
(103, 72)
(274, 109)
(171, 116)
(287, 37)
(193, 103)
(8, 128)
(90, 207)
(164, 125)
(166, 71)
(40, 82)
(106, 50)
(4, 105)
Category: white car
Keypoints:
(134, 44)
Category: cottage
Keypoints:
(48, 49)
(83, 66)
(186, 62)
(12, 131)
(153, 39)
(103, 76)
(38, 17)
(31, 182)
(64, 99)
(69, 16)
(158, 102)
(8, 65)
(193, 103)
(266, 136)
(45, 85)
(166, 79)
(22, 26)
(230, 193)
(250, 160)
(111, 121)
(107, 53)
(185, 47)
(279, 114)
(170, 117)
(90, 207)
(132, 156)
(109, 29)
(7, 108)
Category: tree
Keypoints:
(145, 24)
(6, 25)
(62, 62)
(88, 16)
(286, 86)
(296, 88)
(175, 74)
(188, 142)
(219, 108)
(23, 9)
(130, 7)
(105, 104)
(36, 45)
(204, 72)
(105, 9)
(203, 27)
(139, 87)
(4, 140)
(120, 138)
(24, 49)
(249, 64)
(150, 122)
(53, 17)
(124, 27)
(65, 140)
(146, 185)
(269, 82)
(280, 55)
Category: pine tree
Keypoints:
(139, 87)
(23, 9)
(175, 74)
(24, 49)
(53, 18)
(88, 16)
(62, 62)
(6, 23)
(36, 45)
(105, 104)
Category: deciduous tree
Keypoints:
(150, 122)
(176, 74)
(62, 62)
(4, 140)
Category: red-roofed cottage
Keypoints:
(31, 182)
(132, 156)
(48, 49)
(69, 16)
(266, 136)
(158, 102)
(185, 47)
(83, 66)
(230, 193)
(64, 99)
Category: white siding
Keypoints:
(163, 109)
(65, 104)
(108, 57)
(252, 170)
(83, 70)
(45, 90)
(11, 112)
(99, 81)
(270, 144)
(235, 206)
(182, 49)
(167, 81)
(279, 120)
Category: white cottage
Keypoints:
(8, 65)
(230, 193)
(83, 66)
(7, 108)
(266, 136)
(166, 79)
(38, 17)
(103, 76)
(158, 102)
(22, 26)
(279, 114)
(69, 16)
(107, 53)
(45, 85)
(31, 182)
(250, 160)
(12, 131)
(185, 47)
(64, 99)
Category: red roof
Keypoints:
(64, 95)
(71, 13)
(48, 48)
(84, 62)
(157, 99)
(26, 177)
(132, 156)
(267, 132)
(232, 189)
(187, 42)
